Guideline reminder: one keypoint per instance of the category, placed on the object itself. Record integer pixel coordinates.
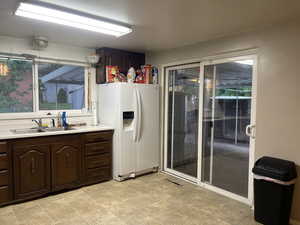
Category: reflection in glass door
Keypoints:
(227, 92)
(182, 117)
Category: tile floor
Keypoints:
(147, 200)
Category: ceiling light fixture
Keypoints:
(69, 17)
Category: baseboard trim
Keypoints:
(295, 222)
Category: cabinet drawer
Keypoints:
(3, 147)
(96, 137)
(99, 174)
(4, 194)
(3, 162)
(97, 148)
(98, 161)
(3, 178)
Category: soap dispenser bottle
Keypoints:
(64, 120)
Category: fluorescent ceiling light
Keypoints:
(68, 17)
(246, 62)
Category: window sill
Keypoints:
(24, 116)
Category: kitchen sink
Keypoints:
(40, 130)
(53, 129)
(27, 131)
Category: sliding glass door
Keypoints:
(182, 113)
(209, 124)
(227, 95)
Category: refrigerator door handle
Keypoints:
(139, 115)
(135, 130)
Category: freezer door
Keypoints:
(108, 105)
(127, 97)
(127, 154)
(127, 131)
(147, 146)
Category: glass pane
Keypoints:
(226, 146)
(15, 86)
(61, 87)
(183, 120)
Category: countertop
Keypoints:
(7, 134)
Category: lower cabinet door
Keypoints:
(4, 194)
(98, 174)
(66, 164)
(31, 171)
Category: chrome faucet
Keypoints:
(39, 122)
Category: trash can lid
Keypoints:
(278, 169)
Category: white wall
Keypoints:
(55, 51)
(278, 96)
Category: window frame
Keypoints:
(84, 112)
(69, 111)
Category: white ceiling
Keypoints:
(158, 24)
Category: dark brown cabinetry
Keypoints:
(3, 147)
(66, 163)
(115, 57)
(5, 173)
(3, 161)
(4, 178)
(4, 194)
(98, 157)
(33, 167)
(31, 170)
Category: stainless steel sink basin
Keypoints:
(27, 131)
(40, 130)
(53, 129)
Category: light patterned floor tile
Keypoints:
(147, 200)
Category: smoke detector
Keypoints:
(39, 43)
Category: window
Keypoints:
(16, 92)
(31, 87)
(61, 87)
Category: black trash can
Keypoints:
(274, 181)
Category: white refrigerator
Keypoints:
(133, 111)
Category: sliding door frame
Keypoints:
(248, 200)
(166, 111)
(210, 60)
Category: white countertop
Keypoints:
(7, 134)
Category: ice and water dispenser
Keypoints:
(128, 119)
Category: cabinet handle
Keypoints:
(32, 165)
(3, 171)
